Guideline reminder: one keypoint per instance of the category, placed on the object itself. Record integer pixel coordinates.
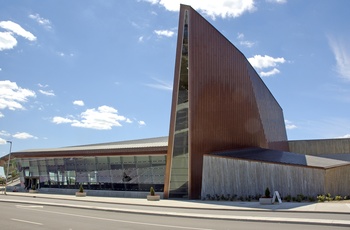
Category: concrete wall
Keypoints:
(338, 181)
(319, 147)
(224, 176)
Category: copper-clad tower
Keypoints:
(219, 103)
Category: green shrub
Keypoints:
(288, 198)
(338, 198)
(81, 189)
(233, 197)
(300, 198)
(267, 193)
(321, 198)
(151, 191)
(257, 196)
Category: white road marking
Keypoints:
(26, 221)
(122, 221)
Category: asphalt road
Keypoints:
(26, 216)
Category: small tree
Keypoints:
(152, 191)
(81, 189)
(267, 192)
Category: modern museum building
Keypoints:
(227, 135)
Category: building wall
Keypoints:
(270, 113)
(224, 176)
(319, 147)
(338, 181)
(229, 105)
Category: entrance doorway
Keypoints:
(31, 183)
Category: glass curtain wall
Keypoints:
(179, 167)
(124, 173)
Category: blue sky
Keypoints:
(88, 71)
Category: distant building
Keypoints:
(227, 136)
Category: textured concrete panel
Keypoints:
(242, 177)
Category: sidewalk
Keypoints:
(341, 207)
(326, 207)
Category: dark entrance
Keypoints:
(31, 183)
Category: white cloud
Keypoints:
(12, 96)
(342, 57)
(2, 141)
(248, 44)
(345, 136)
(142, 123)
(1, 115)
(161, 85)
(261, 62)
(165, 33)
(277, 1)
(42, 86)
(62, 54)
(24, 135)
(141, 39)
(269, 73)
(17, 29)
(290, 125)
(41, 21)
(78, 102)
(7, 38)
(128, 120)
(213, 9)
(240, 36)
(102, 118)
(4, 133)
(7, 41)
(62, 120)
(244, 42)
(47, 93)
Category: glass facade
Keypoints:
(179, 167)
(123, 173)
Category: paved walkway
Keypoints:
(328, 207)
(336, 207)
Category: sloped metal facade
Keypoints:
(229, 106)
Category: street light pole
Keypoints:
(8, 166)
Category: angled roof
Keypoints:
(282, 157)
(156, 145)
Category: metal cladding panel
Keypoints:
(229, 105)
(223, 107)
(223, 110)
(270, 112)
